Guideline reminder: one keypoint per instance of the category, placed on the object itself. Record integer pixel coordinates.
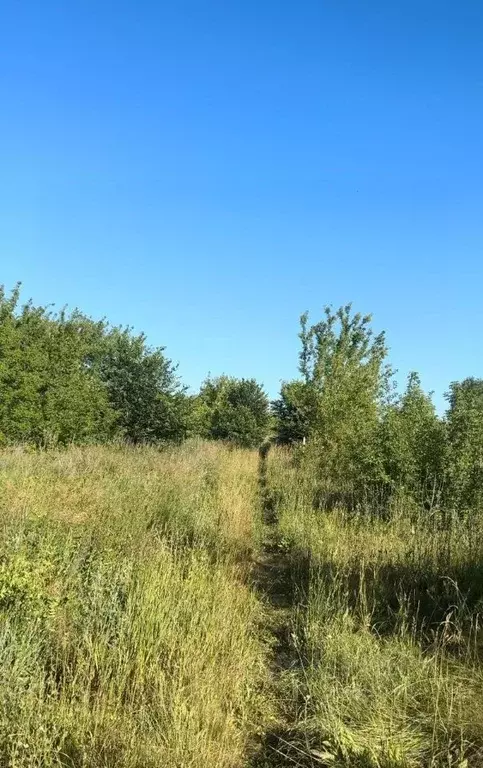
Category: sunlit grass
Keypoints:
(388, 630)
(128, 634)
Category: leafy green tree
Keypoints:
(142, 387)
(294, 412)
(465, 456)
(48, 393)
(21, 370)
(75, 404)
(235, 410)
(65, 377)
(414, 444)
(345, 380)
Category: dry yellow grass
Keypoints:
(128, 635)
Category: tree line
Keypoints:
(368, 445)
(66, 378)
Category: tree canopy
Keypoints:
(465, 433)
(235, 410)
(67, 378)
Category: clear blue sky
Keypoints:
(206, 170)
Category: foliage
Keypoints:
(235, 410)
(338, 402)
(294, 411)
(66, 378)
(465, 432)
(142, 387)
(366, 446)
(48, 393)
(413, 442)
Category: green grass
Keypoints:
(388, 630)
(128, 634)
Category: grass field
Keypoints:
(128, 633)
(133, 632)
(387, 629)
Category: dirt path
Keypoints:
(275, 578)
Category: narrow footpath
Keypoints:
(275, 578)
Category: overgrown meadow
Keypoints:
(129, 634)
(172, 596)
(133, 631)
(386, 629)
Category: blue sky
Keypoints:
(207, 170)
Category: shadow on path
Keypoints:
(280, 578)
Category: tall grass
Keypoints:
(128, 635)
(388, 630)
